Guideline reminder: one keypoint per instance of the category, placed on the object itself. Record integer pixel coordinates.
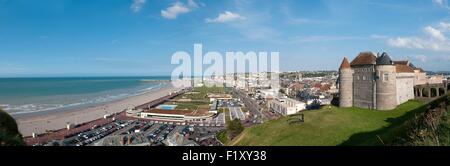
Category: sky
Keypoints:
(138, 37)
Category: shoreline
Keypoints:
(39, 123)
(81, 107)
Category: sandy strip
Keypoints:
(53, 121)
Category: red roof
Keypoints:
(364, 58)
(404, 69)
(345, 64)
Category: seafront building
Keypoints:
(178, 116)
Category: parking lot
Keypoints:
(236, 113)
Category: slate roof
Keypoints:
(384, 59)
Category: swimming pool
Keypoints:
(166, 107)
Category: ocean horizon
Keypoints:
(27, 95)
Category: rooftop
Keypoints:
(404, 69)
(199, 112)
(345, 64)
(364, 58)
(401, 62)
(384, 59)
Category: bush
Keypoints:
(431, 128)
(9, 133)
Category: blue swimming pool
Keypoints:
(167, 107)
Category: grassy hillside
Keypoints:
(331, 126)
(430, 129)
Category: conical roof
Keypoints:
(384, 59)
(345, 64)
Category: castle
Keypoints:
(376, 82)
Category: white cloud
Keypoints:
(178, 8)
(137, 5)
(442, 4)
(193, 4)
(439, 2)
(434, 39)
(434, 33)
(418, 43)
(227, 16)
(445, 26)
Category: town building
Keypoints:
(178, 116)
(286, 106)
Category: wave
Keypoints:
(31, 108)
(41, 107)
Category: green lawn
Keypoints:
(222, 136)
(332, 126)
(201, 92)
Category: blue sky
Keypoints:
(138, 37)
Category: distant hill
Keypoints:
(438, 72)
(9, 132)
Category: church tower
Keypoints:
(345, 84)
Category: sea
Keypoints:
(20, 96)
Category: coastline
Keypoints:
(39, 123)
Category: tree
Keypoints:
(234, 128)
(9, 132)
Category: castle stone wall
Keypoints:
(405, 87)
(363, 86)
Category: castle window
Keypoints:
(364, 77)
(386, 77)
(357, 77)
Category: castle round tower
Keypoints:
(345, 84)
(386, 92)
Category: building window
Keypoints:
(357, 77)
(386, 77)
(364, 77)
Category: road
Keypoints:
(251, 104)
